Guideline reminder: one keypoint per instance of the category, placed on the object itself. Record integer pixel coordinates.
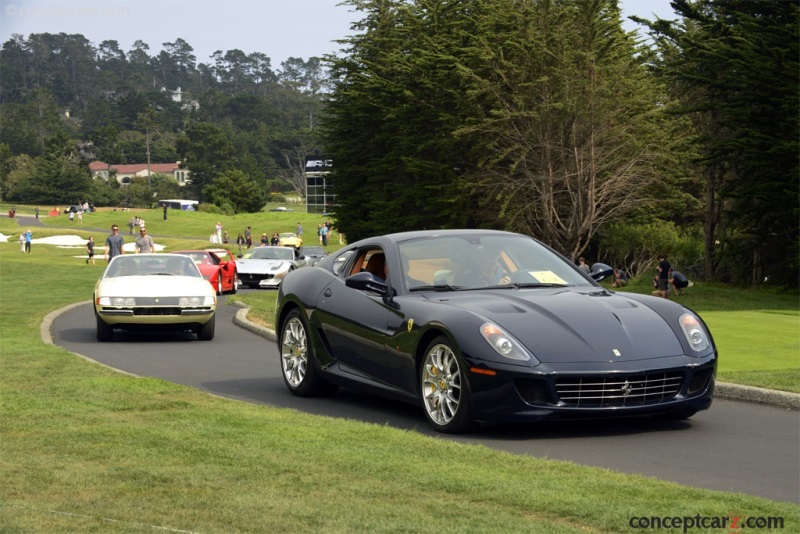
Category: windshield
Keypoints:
(164, 264)
(480, 261)
(199, 257)
(269, 253)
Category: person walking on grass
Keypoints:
(144, 243)
(114, 244)
(90, 251)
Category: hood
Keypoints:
(261, 266)
(569, 326)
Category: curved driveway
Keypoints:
(734, 446)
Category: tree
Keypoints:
(149, 125)
(176, 63)
(569, 121)
(55, 179)
(112, 65)
(140, 64)
(236, 189)
(389, 124)
(533, 116)
(206, 152)
(297, 148)
(733, 65)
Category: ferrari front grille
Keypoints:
(619, 390)
(247, 277)
(156, 311)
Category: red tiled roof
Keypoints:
(133, 168)
(138, 167)
(98, 166)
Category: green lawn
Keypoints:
(86, 449)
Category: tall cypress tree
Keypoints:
(734, 66)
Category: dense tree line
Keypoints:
(545, 117)
(236, 112)
(538, 116)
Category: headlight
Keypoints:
(116, 301)
(505, 345)
(695, 333)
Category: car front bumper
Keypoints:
(676, 385)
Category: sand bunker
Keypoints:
(73, 241)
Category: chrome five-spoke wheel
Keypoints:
(444, 391)
(294, 352)
(297, 358)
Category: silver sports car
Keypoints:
(266, 266)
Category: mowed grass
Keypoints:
(188, 224)
(86, 449)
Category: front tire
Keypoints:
(104, 332)
(444, 389)
(234, 283)
(206, 332)
(297, 359)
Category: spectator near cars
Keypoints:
(679, 281)
(620, 278)
(144, 243)
(114, 244)
(583, 266)
(663, 276)
(90, 251)
(323, 232)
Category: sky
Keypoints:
(278, 28)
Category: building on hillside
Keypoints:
(320, 197)
(124, 173)
(177, 96)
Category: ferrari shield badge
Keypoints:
(410, 325)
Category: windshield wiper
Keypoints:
(536, 284)
(436, 287)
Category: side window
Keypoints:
(365, 260)
(342, 261)
(375, 263)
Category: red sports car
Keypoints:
(217, 268)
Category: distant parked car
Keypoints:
(266, 266)
(289, 239)
(313, 255)
(219, 271)
(280, 208)
(154, 292)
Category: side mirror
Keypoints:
(366, 281)
(601, 271)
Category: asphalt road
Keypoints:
(734, 446)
